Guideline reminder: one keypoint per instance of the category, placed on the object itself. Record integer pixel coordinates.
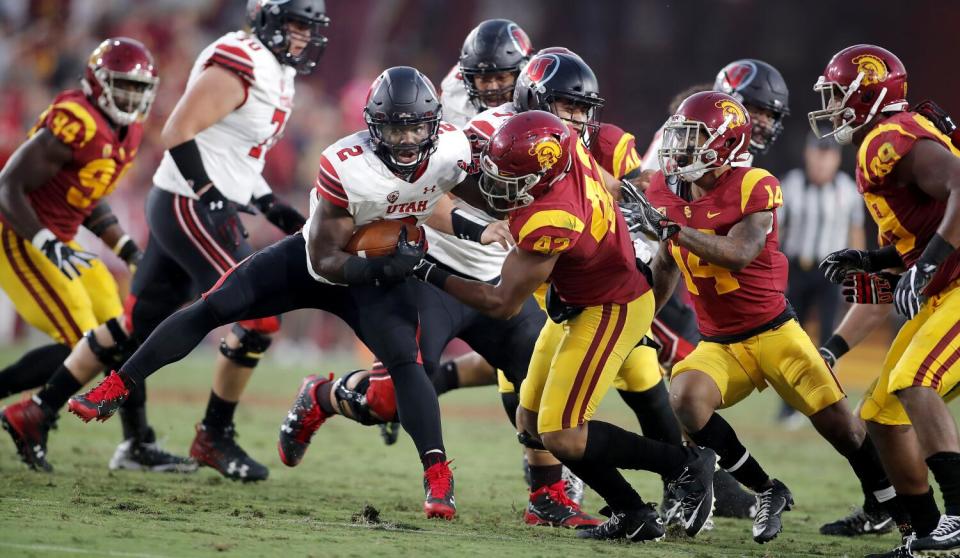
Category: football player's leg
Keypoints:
(33, 369)
(641, 386)
(468, 370)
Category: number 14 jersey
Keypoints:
(728, 302)
(233, 149)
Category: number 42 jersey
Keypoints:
(728, 303)
(233, 149)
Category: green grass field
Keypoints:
(82, 509)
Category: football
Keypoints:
(379, 238)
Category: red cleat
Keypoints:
(102, 401)
(550, 505)
(303, 419)
(438, 486)
(28, 423)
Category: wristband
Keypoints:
(936, 252)
(436, 276)
(125, 248)
(42, 237)
(884, 258)
(264, 202)
(465, 227)
(837, 346)
(190, 164)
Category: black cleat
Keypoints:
(771, 503)
(862, 521)
(147, 455)
(732, 499)
(28, 423)
(640, 525)
(693, 487)
(944, 541)
(902, 551)
(219, 450)
(390, 432)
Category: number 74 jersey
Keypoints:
(728, 302)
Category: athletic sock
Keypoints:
(219, 413)
(544, 475)
(510, 401)
(323, 398)
(608, 483)
(445, 378)
(615, 447)
(60, 387)
(433, 457)
(945, 466)
(923, 510)
(654, 414)
(134, 421)
(33, 369)
(865, 463)
(719, 436)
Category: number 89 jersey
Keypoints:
(728, 303)
(99, 159)
(233, 149)
(577, 219)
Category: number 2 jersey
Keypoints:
(906, 216)
(233, 149)
(578, 220)
(101, 155)
(728, 303)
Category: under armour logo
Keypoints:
(240, 471)
(429, 190)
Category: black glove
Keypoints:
(400, 265)
(908, 296)
(281, 215)
(641, 217)
(558, 310)
(221, 218)
(838, 264)
(68, 260)
(860, 287)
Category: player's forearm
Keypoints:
(485, 297)
(726, 251)
(17, 211)
(666, 274)
(860, 320)
(949, 227)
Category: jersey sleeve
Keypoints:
(328, 183)
(759, 191)
(886, 144)
(71, 123)
(546, 231)
(616, 150)
(233, 57)
(260, 187)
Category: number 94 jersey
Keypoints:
(577, 219)
(728, 303)
(100, 158)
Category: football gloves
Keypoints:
(68, 260)
(908, 297)
(281, 215)
(838, 264)
(860, 287)
(643, 218)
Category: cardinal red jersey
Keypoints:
(906, 216)
(615, 150)
(100, 158)
(577, 219)
(729, 302)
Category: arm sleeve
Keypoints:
(260, 187)
(234, 58)
(71, 123)
(328, 183)
(759, 191)
(547, 231)
(879, 153)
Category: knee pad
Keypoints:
(123, 345)
(528, 440)
(253, 344)
(373, 394)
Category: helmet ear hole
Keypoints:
(868, 96)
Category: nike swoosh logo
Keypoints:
(877, 526)
(712, 214)
(634, 534)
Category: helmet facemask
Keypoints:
(403, 144)
(589, 126)
(762, 136)
(125, 96)
(489, 98)
(688, 149)
(276, 34)
(506, 193)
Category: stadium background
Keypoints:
(642, 51)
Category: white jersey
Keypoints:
(351, 176)
(234, 148)
(472, 259)
(458, 109)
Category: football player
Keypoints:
(55, 182)
(722, 233)
(401, 167)
(909, 174)
(568, 229)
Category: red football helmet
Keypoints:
(710, 129)
(122, 79)
(858, 82)
(526, 155)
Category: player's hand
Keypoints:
(67, 259)
(212, 200)
(838, 264)
(828, 357)
(498, 232)
(641, 217)
(908, 296)
(642, 182)
(860, 287)
(281, 215)
(407, 257)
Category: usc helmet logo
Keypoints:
(547, 151)
(730, 108)
(873, 68)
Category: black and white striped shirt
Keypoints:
(816, 220)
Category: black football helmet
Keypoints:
(401, 98)
(756, 83)
(496, 45)
(268, 19)
(559, 75)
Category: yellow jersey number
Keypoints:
(724, 281)
(98, 178)
(604, 217)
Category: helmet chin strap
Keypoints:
(844, 134)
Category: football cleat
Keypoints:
(771, 503)
(438, 490)
(28, 423)
(147, 455)
(217, 448)
(902, 551)
(944, 541)
(860, 522)
(390, 432)
(303, 419)
(102, 401)
(732, 499)
(574, 486)
(550, 505)
(640, 525)
(693, 487)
